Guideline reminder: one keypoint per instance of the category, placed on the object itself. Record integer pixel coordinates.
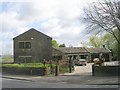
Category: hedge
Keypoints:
(28, 65)
(36, 68)
(27, 68)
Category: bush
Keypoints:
(36, 67)
(27, 65)
(63, 69)
(26, 68)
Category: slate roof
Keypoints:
(72, 49)
(98, 50)
(68, 50)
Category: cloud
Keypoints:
(56, 18)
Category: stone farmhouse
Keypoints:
(32, 46)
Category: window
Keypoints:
(25, 59)
(83, 56)
(27, 45)
(24, 45)
(21, 45)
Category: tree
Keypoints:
(95, 41)
(55, 44)
(104, 16)
(62, 45)
(108, 40)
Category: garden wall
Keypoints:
(26, 71)
(105, 70)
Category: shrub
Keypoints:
(28, 65)
(63, 69)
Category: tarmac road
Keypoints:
(12, 83)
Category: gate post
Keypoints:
(57, 68)
(70, 65)
(51, 69)
(93, 73)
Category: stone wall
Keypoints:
(105, 70)
(26, 71)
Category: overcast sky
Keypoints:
(59, 19)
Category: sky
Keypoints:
(59, 19)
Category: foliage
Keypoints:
(104, 16)
(108, 40)
(54, 44)
(63, 69)
(7, 59)
(28, 65)
(95, 41)
(62, 45)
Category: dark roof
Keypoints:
(32, 29)
(82, 50)
(98, 50)
(72, 49)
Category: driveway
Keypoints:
(82, 70)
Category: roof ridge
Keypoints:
(30, 30)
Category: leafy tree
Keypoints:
(104, 16)
(108, 40)
(62, 45)
(55, 44)
(95, 41)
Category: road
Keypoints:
(12, 83)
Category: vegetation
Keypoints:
(107, 40)
(104, 16)
(95, 41)
(54, 44)
(63, 69)
(6, 59)
(28, 65)
(62, 45)
(35, 66)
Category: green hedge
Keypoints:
(28, 65)
(26, 68)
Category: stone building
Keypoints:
(95, 53)
(81, 53)
(66, 52)
(32, 46)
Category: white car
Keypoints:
(81, 62)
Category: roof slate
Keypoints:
(72, 49)
(98, 50)
(82, 50)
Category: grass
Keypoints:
(6, 59)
